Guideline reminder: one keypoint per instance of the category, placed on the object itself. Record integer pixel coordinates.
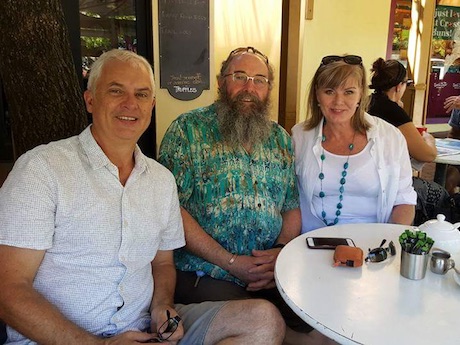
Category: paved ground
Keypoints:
(428, 171)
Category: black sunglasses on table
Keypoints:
(349, 59)
(380, 254)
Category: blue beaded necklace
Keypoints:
(342, 184)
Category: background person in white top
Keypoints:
(351, 167)
(88, 228)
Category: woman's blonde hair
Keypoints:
(331, 76)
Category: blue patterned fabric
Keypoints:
(237, 198)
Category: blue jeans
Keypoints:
(454, 120)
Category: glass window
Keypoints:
(401, 27)
(106, 25)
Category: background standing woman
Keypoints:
(351, 167)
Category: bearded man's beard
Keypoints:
(241, 122)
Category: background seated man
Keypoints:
(88, 228)
(452, 106)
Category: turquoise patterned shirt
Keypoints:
(236, 197)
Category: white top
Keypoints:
(360, 192)
(389, 153)
(372, 304)
(99, 237)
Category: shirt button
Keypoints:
(125, 223)
(255, 182)
(259, 205)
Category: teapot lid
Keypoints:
(441, 231)
(438, 224)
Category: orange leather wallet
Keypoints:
(348, 256)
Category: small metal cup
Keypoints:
(413, 266)
(440, 261)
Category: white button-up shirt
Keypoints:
(99, 236)
(388, 149)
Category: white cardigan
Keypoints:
(391, 157)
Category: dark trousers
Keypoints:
(210, 289)
(2, 332)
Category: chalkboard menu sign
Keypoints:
(184, 47)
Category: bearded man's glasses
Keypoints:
(241, 79)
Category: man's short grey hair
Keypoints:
(121, 55)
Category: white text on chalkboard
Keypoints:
(185, 89)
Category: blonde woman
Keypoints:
(351, 167)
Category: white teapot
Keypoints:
(445, 235)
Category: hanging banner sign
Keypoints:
(446, 19)
(184, 47)
(446, 22)
(445, 62)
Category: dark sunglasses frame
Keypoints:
(248, 50)
(170, 326)
(349, 59)
(381, 254)
(408, 82)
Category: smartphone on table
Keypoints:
(328, 242)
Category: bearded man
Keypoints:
(235, 174)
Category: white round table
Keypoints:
(372, 304)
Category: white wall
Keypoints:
(358, 27)
(246, 23)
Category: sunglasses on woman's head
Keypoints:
(349, 59)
